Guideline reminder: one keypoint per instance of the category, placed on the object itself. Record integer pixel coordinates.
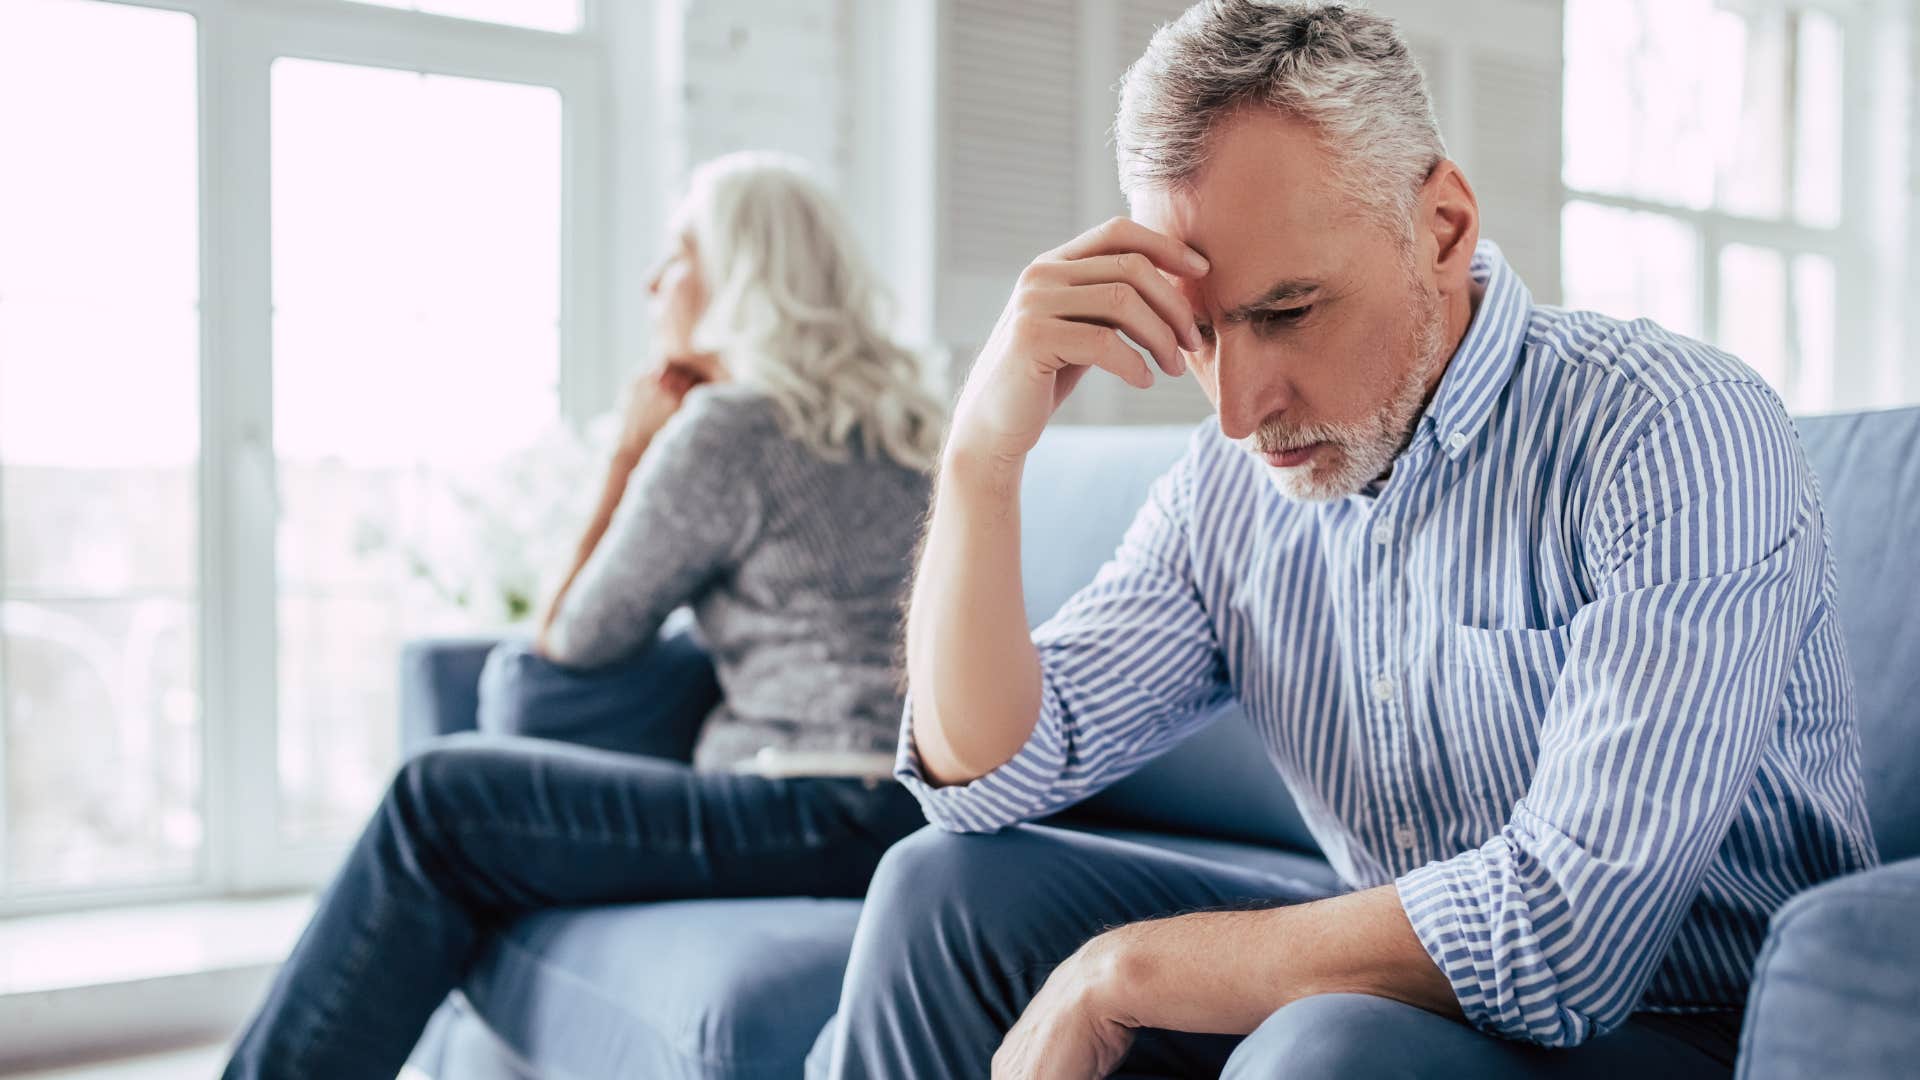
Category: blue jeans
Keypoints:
(959, 932)
(478, 830)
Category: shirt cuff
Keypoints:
(1439, 899)
(1020, 790)
(1486, 948)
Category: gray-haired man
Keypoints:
(1532, 608)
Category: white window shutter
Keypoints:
(1009, 114)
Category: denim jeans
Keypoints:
(478, 830)
(959, 932)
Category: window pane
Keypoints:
(1639, 96)
(1753, 94)
(1817, 122)
(1631, 265)
(99, 445)
(1815, 301)
(1753, 304)
(416, 262)
(562, 15)
(1703, 104)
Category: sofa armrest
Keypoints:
(440, 687)
(1836, 988)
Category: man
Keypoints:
(1533, 609)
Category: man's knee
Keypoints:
(969, 898)
(1322, 1036)
(930, 870)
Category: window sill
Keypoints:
(91, 984)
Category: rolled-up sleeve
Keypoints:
(1708, 555)
(1129, 665)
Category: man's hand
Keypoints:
(973, 674)
(1069, 1030)
(1062, 319)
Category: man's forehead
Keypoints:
(1263, 256)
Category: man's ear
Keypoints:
(1451, 217)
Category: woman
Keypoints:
(771, 473)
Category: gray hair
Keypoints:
(1343, 70)
(795, 310)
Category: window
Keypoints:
(416, 307)
(99, 448)
(560, 15)
(267, 273)
(1704, 169)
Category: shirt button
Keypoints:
(1457, 440)
(1383, 688)
(1383, 532)
(1403, 836)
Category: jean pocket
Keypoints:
(1499, 684)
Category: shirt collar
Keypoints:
(1485, 359)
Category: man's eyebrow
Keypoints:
(1280, 293)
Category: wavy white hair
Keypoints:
(794, 310)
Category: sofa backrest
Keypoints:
(1083, 485)
(1080, 489)
(1868, 465)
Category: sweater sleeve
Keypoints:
(689, 513)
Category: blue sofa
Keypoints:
(740, 989)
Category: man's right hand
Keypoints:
(972, 670)
(1061, 320)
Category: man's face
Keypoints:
(1320, 331)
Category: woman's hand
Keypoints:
(656, 395)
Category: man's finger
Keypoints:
(1091, 345)
(1116, 305)
(1137, 270)
(1125, 234)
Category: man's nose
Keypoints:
(1248, 386)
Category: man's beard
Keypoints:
(1357, 452)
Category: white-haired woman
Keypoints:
(771, 473)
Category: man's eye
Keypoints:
(1282, 317)
(1206, 331)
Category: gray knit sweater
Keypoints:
(795, 567)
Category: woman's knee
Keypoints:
(434, 789)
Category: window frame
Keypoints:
(237, 42)
(1860, 329)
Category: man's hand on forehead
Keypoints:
(1087, 303)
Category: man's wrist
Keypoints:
(1115, 972)
(981, 471)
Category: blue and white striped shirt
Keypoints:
(1571, 678)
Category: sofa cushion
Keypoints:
(651, 704)
(718, 989)
(1868, 465)
(723, 989)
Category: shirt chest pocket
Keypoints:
(1495, 688)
